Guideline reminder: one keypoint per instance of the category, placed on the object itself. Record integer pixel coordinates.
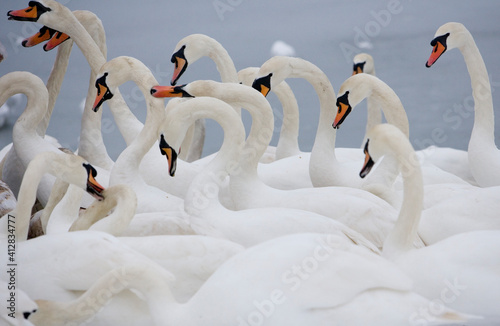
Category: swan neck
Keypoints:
(55, 81)
(384, 97)
(483, 129)
(27, 197)
(66, 212)
(223, 62)
(401, 238)
(57, 192)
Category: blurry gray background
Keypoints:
(325, 32)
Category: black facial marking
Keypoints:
(107, 94)
(179, 54)
(360, 65)
(262, 81)
(164, 145)
(344, 99)
(368, 166)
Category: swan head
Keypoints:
(343, 110)
(42, 35)
(170, 91)
(188, 50)
(263, 84)
(181, 64)
(93, 187)
(363, 62)
(32, 13)
(448, 36)
(170, 153)
(103, 92)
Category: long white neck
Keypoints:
(121, 199)
(223, 61)
(55, 81)
(66, 212)
(203, 191)
(484, 122)
(57, 193)
(27, 197)
(288, 143)
(127, 164)
(150, 280)
(128, 124)
(401, 238)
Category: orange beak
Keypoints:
(43, 35)
(171, 155)
(357, 70)
(344, 108)
(169, 91)
(439, 47)
(93, 187)
(368, 164)
(180, 67)
(57, 39)
(31, 13)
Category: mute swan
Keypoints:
(483, 154)
(206, 214)
(27, 143)
(70, 168)
(56, 16)
(465, 264)
(281, 288)
(288, 143)
(358, 87)
(18, 308)
(363, 63)
(324, 167)
(127, 166)
(357, 209)
(91, 145)
(123, 221)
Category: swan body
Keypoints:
(347, 280)
(127, 166)
(483, 154)
(467, 262)
(7, 199)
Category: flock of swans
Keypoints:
(253, 234)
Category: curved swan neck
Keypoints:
(120, 198)
(66, 211)
(57, 192)
(200, 196)
(37, 95)
(54, 82)
(288, 143)
(484, 122)
(27, 196)
(401, 238)
(223, 61)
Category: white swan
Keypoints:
(27, 143)
(483, 154)
(323, 166)
(358, 209)
(91, 145)
(123, 221)
(304, 279)
(206, 214)
(56, 16)
(466, 263)
(363, 63)
(288, 142)
(127, 166)
(71, 168)
(358, 87)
